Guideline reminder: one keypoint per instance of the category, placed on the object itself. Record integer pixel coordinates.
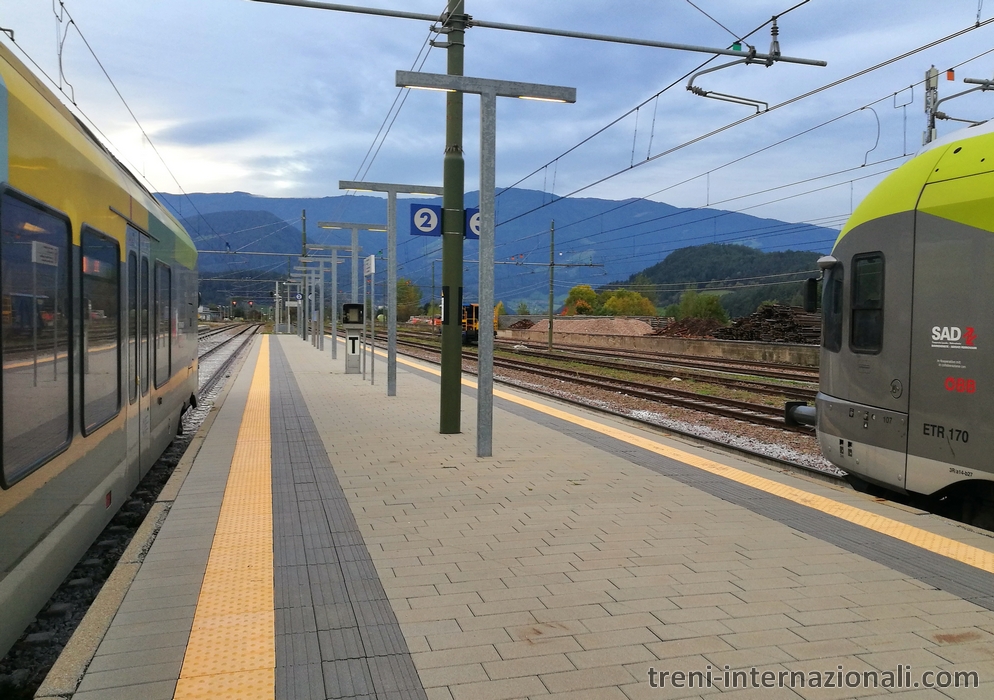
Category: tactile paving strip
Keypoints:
(948, 564)
(336, 633)
(231, 652)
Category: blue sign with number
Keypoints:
(473, 224)
(426, 220)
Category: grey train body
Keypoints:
(905, 400)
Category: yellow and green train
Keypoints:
(907, 360)
(99, 339)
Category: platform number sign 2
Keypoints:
(426, 220)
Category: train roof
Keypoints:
(962, 153)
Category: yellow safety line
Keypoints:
(944, 546)
(232, 648)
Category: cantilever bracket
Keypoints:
(971, 122)
(982, 84)
(747, 101)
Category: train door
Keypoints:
(145, 354)
(863, 422)
(138, 347)
(130, 365)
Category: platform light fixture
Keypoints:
(355, 228)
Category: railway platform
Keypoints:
(327, 542)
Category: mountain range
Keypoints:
(596, 240)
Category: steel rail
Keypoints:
(664, 360)
(764, 369)
(208, 332)
(769, 416)
(658, 371)
(219, 372)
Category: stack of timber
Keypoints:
(775, 324)
(690, 328)
(522, 325)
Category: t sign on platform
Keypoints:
(426, 220)
(473, 224)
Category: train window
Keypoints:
(101, 324)
(132, 327)
(867, 303)
(163, 316)
(831, 308)
(144, 326)
(35, 255)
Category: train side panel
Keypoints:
(915, 416)
(55, 500)
(950, 430)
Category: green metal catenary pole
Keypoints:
(453, 182)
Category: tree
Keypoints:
(499, 310)
(642, 281)
(694, 305)
(623, 302)
(408, 299)
(522, 309)
(582, 296)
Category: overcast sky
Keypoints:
(283, 101)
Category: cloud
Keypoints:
(212, 131)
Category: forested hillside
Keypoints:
(743, 277)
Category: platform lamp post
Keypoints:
(303, 305)
(307, 275)
(488, 90)
(392, 191)
(355, 228)
(334, 291)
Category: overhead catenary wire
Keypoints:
(632, 201)
(621, 117)
(386, 126)
(722, 214)
(86, 123)
(131, 112)
(743, 120)
(711, 205)
(734, 35)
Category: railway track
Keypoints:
(750, 367)
(207, 332)
(759, 414)
(245, 334)
(652, 369)
(663, 363)
(769, 416)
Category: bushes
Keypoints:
(584, 301)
